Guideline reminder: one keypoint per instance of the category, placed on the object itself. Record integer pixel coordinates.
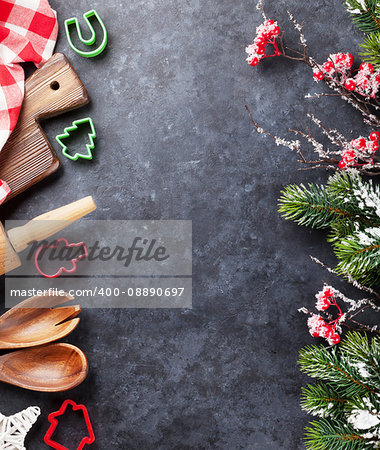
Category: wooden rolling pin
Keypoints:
(19, 238)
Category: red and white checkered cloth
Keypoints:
(28, 32)
(5, 190)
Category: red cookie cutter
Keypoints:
(61, 269)
(54, 422)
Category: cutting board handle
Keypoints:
(53, 89)
(47, 224)
(27, 156)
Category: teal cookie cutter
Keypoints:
(92, 39)
(66, 134)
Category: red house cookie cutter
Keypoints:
(61, 269)
(52, 418)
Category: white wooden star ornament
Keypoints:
(13, 429)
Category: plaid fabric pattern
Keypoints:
(4, 191)
(28, 32)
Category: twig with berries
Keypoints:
(359, 88)
(330, 328)
(267, 34)
(359, 154)
(327, 298)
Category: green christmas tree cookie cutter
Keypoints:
(59, 138)
(92, 39)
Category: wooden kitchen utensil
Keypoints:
(37, 229)
(28, 157)
(49, 368)
(33, 322)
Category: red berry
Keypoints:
(359, 143)
(276, 31)
(335, 338)
(254, 62)
(269, 22)
(260, 41)
(350, 58)
(328, 66)
(315, 333)
(328, 331)
(265, 35)
(350, 85)
(318, 75)
(374, 136)
(373, 146)
(260, 50)
(325, 305)
(368, 66)
(348, 155)
(342, 165)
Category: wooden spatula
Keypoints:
(28, 157)
(37, 229)
(37, 321)
(48, 368)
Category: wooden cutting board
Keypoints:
(28, 156)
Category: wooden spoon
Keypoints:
(34, 322)
(49, 368)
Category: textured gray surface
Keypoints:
(176, 143)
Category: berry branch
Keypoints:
(329, 328)
(358, 153)
(359, 87)
(324, 325)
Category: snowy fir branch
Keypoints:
(345, 398)
(345, 198)
(359, 255)
(350, 208)
(310, 206)
(335, 435)
(365, 14)
(371, 49)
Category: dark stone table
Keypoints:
(175, 142)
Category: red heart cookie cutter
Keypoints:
(61, 269)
